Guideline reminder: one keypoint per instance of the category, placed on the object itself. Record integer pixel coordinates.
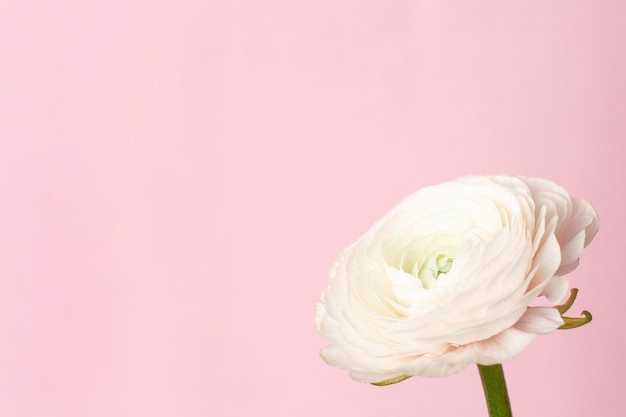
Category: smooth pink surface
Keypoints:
(177, 177)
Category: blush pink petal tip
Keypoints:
(555, 289)
(576, 234)
(540, 320)
(447, 278)
(577, 220)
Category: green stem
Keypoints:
(494, 385)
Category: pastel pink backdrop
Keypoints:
(176, 177)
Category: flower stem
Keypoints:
(494, 385)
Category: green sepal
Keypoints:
(391, 381)
(569, 302)
(574, 322)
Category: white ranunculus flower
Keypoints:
(447, 278)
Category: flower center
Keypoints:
(428, 269)
(433, 268)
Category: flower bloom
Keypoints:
(446, 279)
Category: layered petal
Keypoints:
(577, 220)
(447, 278)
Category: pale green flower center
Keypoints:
(444, 264)
(433, 268)
(427, 269)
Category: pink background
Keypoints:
(176, 178)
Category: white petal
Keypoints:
(497, 349)
(335, 356)
(405, 286)
(502, 347)
(577, 220)
(540, 320)
(373, 377)
(575, 233)
(438, 366)
(320, 312)
(555, 289)
(545, 263)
